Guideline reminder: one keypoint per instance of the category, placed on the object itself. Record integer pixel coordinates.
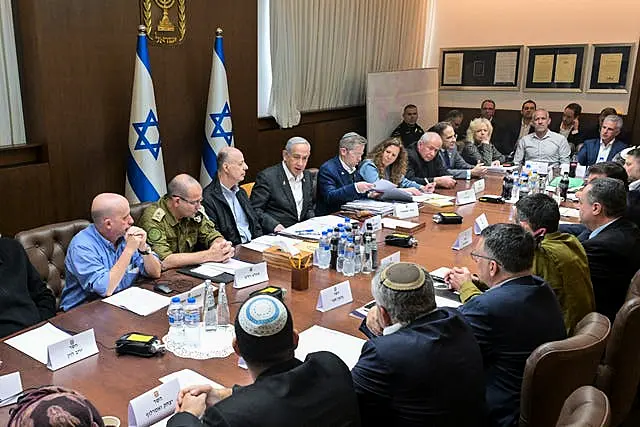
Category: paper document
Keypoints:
(263, 243)
(317, 338)
(439, 273)
(398, 223)
(431, 196)
(313, 227)
(383, 185)
(446, 302)
(214, 268)
(187, 377)
(373, 206)
(34, 343)
(501, 169)
(139, 301)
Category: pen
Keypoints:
(304, 231)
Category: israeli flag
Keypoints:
(145, 181)
(218, 132)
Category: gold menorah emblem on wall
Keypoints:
(159, 17)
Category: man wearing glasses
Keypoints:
(176, 227)
(518, 313)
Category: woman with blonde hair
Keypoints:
(478, 147)
(388, 160)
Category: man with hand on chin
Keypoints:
(107, 256)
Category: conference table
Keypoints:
(111, 381)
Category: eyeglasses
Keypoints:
(476, 257)
(191, 202)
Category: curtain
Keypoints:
(11, 119)
(322, 50)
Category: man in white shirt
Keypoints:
(542, 145)
(283, 193)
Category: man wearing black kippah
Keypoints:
(286, 392)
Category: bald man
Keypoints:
(227, 204)
(179, 231)
(107, 256)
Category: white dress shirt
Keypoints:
(603, 152)
(295, 183)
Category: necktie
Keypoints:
(447, 160)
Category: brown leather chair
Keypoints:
(634, 287)
(314, 182)
(248, 187)
(587, 406)
(555, 369)
(619, 373)
(137, 209)
(46, 248)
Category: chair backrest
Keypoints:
(46, 248)
(587, 406)
(248, 187)
(314, 182)
(634, 287)
(137, 209)
(555, 369)
(619, 373)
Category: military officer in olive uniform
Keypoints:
(175, 224)
(409, 130)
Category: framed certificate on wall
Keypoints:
(612, 67)
(480, 68)
(555, 68)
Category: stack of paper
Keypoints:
(262, 243)
(313, 227)
(317, 338)
(138, 300)
(374, 206)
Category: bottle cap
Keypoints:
(175, 299)
(191, 300)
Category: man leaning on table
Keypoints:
(285, 391)
(108, 255)
(518, 313)
(283, 193)
(226, 203)
(177, 227)
(424, 365)
(543, 145)
(339, 181)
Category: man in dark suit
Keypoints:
(499, 136)
(517, 314)
(525, 126)
(282, 194)
(569, 126)
(423, 364)
(605, 148)
(613, 247)
(286, 392)
(339, 181)
(226, 204)
(632, 166)
(409, 131)
(424, 164)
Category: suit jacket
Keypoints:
(509, 322)
(273, 202)
(419, 170)
(614, 257)
(422, 374)
(573, 138)
(510, 138)
(318, 392)
(588, 154)
(457, 167)
(336, 187)
(219, 211)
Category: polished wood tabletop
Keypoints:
(110, 381)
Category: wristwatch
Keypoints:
(145, 252)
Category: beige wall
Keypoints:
(470, 23)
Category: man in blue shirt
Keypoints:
(107, 256)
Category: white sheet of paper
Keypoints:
(334, 296)
(398, 223)
(138, 300)
(214, 268)
(10, 387)
(446, 302)
(439, 273)
(317, 224)
(431, 196)
(196, 292)
(34, 343)
(383, 185)
(317, 338)
(187, 377)
(262, 243)
(501, 169)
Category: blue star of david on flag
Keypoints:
(141, 129)
(218, 130)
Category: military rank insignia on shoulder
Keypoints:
(158, 215)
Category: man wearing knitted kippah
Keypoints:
(286, 392)
(425, 367)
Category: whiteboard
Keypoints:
(389, 92)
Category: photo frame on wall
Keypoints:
(555, 68)
(481, 68)
(611, 67)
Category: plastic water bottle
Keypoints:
(533, 182)
(341, 245)
(175, 313)
(324, 256)
(373, 242)
(357, 254)
(192, 323)
(515, 192)
(209, 306)
(349, 259)
(224, 318)
(524, 185)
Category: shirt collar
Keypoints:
(608, 145)
(346, 167)
(634, 185)
(597, 231)
(546, 134)
(392, 329)
(232, 190)
(289, 175)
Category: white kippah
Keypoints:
(262, 316)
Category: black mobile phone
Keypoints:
(162, 287)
